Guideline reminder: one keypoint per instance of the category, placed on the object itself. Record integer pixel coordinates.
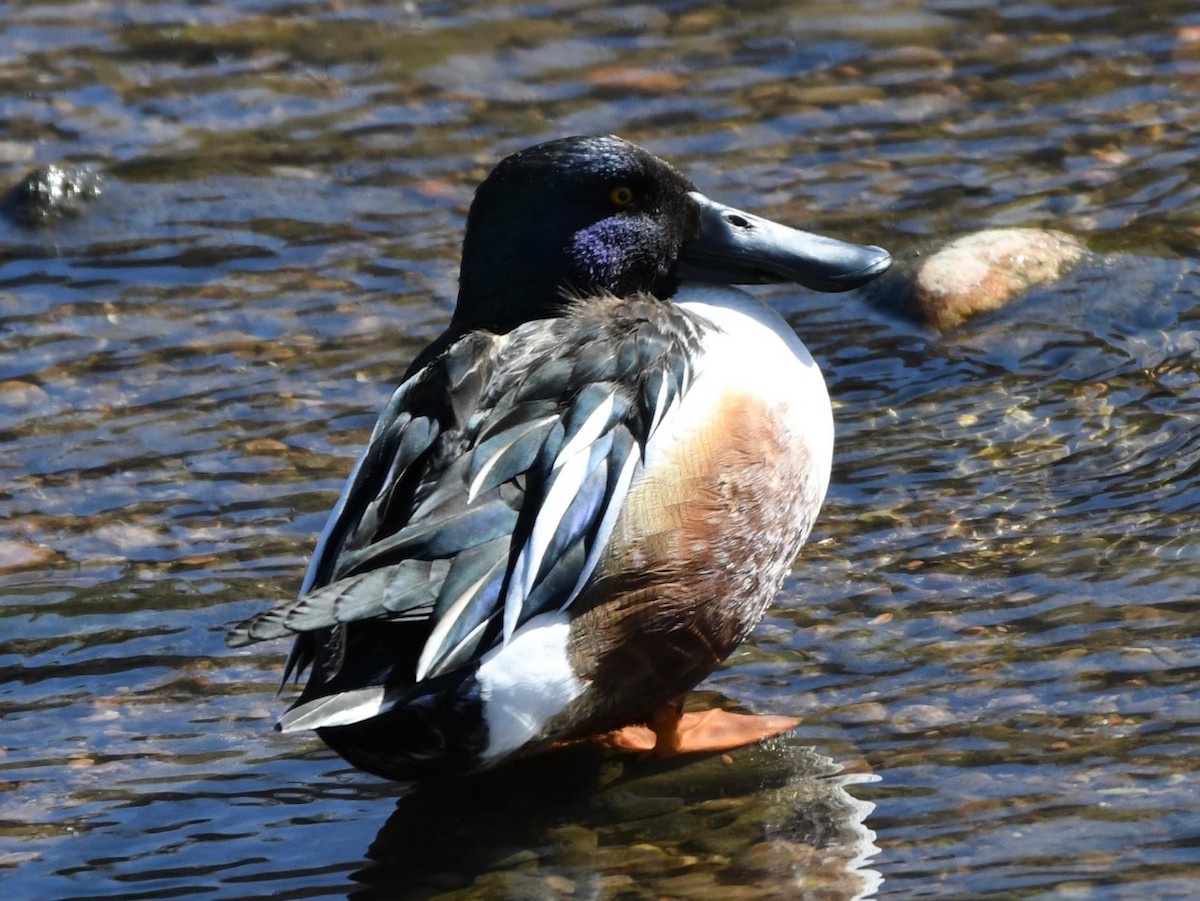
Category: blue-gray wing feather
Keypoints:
(492, 480)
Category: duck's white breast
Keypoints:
(753, 352)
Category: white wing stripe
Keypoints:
(568, 479)
(660, 403)
(591, 429)
(607, 524)
(433, 644)
(340, 709)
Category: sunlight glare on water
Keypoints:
(995, 617)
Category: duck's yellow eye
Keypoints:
(621, 195)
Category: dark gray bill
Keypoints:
(739, 248)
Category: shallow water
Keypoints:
(996, 617)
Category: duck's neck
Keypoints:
(497, 306)
(502, 302)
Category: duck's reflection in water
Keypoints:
(777, 822)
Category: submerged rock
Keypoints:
(975, 274)
(50, 193)
(16, 556)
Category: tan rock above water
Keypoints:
(977, 273)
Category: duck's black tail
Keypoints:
(436, 731)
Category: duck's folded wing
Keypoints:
(492, 482)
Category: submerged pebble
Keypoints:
(21, 555)
(50, 193)
(18, 397)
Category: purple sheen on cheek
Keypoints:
(593, 254)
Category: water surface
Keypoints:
(996, 617)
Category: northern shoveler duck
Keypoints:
(586, 492)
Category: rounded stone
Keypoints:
(976, 273)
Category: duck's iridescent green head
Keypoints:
(585, 215)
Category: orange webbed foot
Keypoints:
(669, 732)
(713, 731)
